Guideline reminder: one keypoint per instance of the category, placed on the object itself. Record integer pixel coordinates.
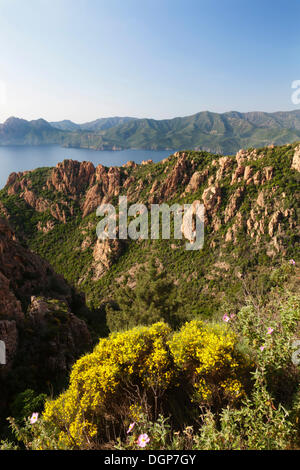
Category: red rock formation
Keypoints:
(233, 204)
(180, 175)
(108, 185)
(196, 180)
(212, 198)
(104, 254)
(71, 177)
(93, 199)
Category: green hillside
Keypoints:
(54, 211)
(218, 133)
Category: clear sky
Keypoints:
(85, 59)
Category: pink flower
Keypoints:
(143, 440)
(232, 316)
(292, 261)
(270, 331)
(34, 418)
(262, 348)
(226, 318)
(131, 426)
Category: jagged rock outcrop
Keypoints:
(71, 177)
(238, 175)
(212, 198)
(130, 164)
(37, 203)
(15, 177)
(110, 181)
(196, 180)
(243, 156)
(234, 203)
(232, 232)
(274, 222)
(225, 165)
(188, 226)
(105, 252)
(179, 175)
(93, 199)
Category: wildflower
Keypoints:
(292, 261)
(232, 316)
(262, 348)
(143, 440)
(131, 426)
(270, 331)
(34, 418)
(226, 318)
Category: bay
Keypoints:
(22, 158)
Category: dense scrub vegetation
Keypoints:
(230, 384)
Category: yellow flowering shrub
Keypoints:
(208, 355)
(135, 370)
(125, 368)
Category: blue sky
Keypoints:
(84, 59)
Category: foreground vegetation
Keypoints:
(230, 384)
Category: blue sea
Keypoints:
(21, 158)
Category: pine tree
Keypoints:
(153, 299)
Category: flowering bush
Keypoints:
(258, 424)
(34, 433)
(128, 393)
(134, 371)
(129, 367)
(209, 357)
(147, 435)
(270, 333)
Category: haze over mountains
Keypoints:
(97, 125)
(221, 133)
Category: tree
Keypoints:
(154, 299)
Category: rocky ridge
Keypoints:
(246, 197)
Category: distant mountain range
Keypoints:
(101, 124)
(220, 133)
